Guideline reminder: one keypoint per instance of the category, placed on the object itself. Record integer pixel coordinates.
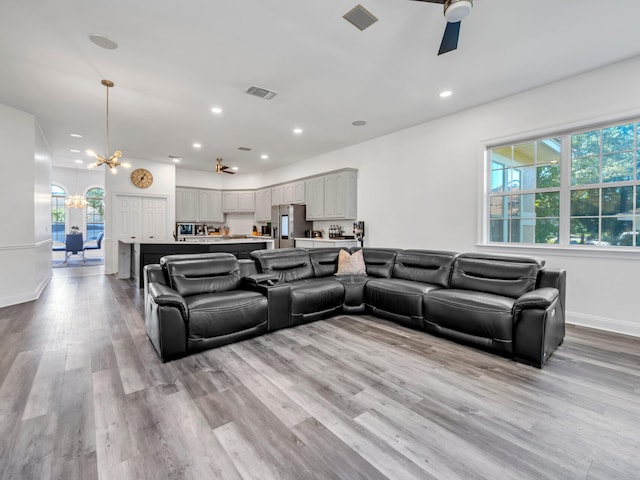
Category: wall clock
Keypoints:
(141, 178)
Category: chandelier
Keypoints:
(76, 201)
(112, 161)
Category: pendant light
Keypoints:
(112, 161)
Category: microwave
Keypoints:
(185, 229)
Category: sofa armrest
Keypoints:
(165, 296)
(166, 322)
(538, 326)
(278, 298)
(260, 279)
(539, 298)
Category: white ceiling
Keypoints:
(176, 60)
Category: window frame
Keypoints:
(86, 216)
(566, 188)
(60, 198)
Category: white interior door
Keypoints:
(154, 218)
(128, 217)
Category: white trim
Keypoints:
(602, 323)
(26, 296)
(615, 253)
(26, 246)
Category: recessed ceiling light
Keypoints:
(297, 131)
(78, 161)
(216, 110)
(90, 152)
(197, 145)
(75, 135)
(103, 41)
(73, 150)
(264, 156)
(358, 123)
(175, 158)
(234, 168)
(446, 93)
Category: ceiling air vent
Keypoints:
(244, 149)
(360, 17)
(261, 92)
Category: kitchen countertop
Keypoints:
(203, 239)
(326, 239)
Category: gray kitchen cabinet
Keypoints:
(277, 195)
(210, 206)
(294, 192)
(238, 201)
(263, 205)
(315, 198)
(186, 204)
(340, 195)
(198, 205)
(246, 201)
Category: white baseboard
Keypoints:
(602, 323)
(25, 296)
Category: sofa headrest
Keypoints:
(424, 266)
(506, 275)
(201, 273)
(324, 261)
(288, 264)
(379, 261)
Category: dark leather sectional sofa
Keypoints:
(511, 305)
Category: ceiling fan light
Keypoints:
(457, 10)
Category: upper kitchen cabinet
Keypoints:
(277, 195)
(210, 206)
(341, 195)
(238, 201)
(186, 204)
(294, 192)
(198, 205)
(263, 205)
(315, 198)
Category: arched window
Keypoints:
(57, 213)
(95, 212)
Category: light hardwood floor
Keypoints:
(83, 395)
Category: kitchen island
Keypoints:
(134, 254)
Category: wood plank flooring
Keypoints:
(83, 395)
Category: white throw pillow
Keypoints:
(351, 264)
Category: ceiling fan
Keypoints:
(220, 168)
(454, 12)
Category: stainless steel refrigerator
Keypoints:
(288, 222)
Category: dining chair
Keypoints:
(74, 246)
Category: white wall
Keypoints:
(164, 183)
(25, 244)
(420, 188)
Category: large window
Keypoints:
(579, 188)
(57, 213)
(525, 192)
(95, 213)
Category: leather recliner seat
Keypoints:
(196, 302)
(478, 306)
(414, 273)
(312, 296)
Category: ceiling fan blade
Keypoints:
(450, 38)
(230, 173)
